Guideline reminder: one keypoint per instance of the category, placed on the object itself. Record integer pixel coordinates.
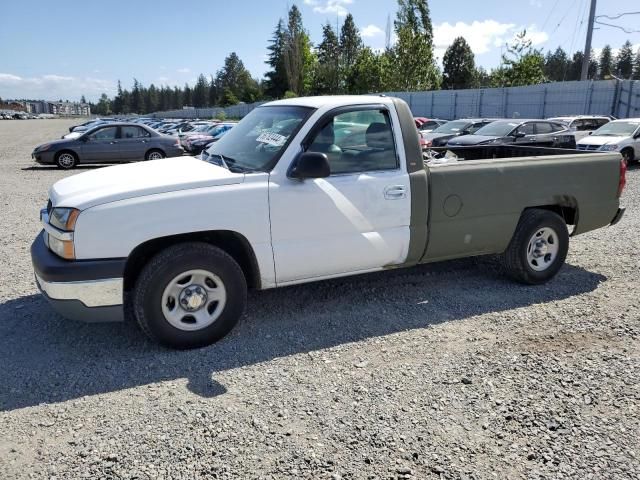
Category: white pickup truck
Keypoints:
(303, 190)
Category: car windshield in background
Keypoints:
(497, 129)
(617, 129)
(451, 127)
(256, 143)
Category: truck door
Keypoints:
(355, 220)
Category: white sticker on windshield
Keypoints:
(272, 138)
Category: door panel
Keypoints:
(102, 146)
(133, 143)
(355, 220)
(340, 224)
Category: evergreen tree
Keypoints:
(327, 76)
(556, 65)
(414, 65)
(349, 48)
(137, 98)
(103, 107)
(118, 100)
(298, 58)
(482, 78)
(177, 99)
(187, 96)
(152, 99)
(276, 83)
(624, 61)
(605, 64)
(636, 66)
(213, 92)
(575, 67)
(83, 100)
(201, 92)
(459, 68)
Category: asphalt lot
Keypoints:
(440, 371)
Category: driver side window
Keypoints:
(108, 133)
(357, 141)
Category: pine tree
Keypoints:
(624, 60)
(153, 99)
(201, 92)
(83, 100)
(327, 70)
(556, 65)
(298, 58)
(187, 96)
(213, 92)
(414, 65)
(636, 66)
(459, 68)
(605, 65)
(276, 83)
(350, 47)
(177, 100)
(137, 98)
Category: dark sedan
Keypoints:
(518, 132)
(109, 143)
(456, 128)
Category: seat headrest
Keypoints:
(326, 136)
(379, 136)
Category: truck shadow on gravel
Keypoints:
(47, 359)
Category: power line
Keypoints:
(616, 17)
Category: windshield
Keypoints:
(617, 129)
(451, 127)
(258, 140)
(497, 129)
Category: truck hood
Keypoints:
(600, 140)
(121, 182)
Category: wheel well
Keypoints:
(569, 213)
(233, 243)
(633, 153)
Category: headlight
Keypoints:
(64, 218)
(608, 148)
(43, 148)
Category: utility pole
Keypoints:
(587, 46)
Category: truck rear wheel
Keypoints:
(189, 295)
(538, 248)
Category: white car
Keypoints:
(617, 136)
(582, 125)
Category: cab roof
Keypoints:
(330, 101)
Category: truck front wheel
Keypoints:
(538, 248)
(189, 295)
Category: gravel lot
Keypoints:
(445, 371)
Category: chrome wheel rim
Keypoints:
(155, 156)
(542, 249)
(66, 160)
(193, 300)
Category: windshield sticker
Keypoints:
(272, 138)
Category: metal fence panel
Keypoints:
(605, 97)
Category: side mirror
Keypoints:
(311, 165)
(518, 135)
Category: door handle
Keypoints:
(112, 143)
(395, 192)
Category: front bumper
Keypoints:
(44, 158)
(86, 290)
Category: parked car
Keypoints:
(465, 126)
(183, 241)
(582, 125)
(617, 136)
(542, 133)
(108, 143)
(195, 143)
(426, 125)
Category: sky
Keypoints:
(65, 49)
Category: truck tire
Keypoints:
(628, 155)
(538, 248)
(189, 295)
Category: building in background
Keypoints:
(69, 108)
(37, 107)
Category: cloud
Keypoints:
(535, 3)
(483, 36)
(184, 70)
(53, 87)
(333, 7)
(371, 31)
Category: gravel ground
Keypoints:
(446, 371)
